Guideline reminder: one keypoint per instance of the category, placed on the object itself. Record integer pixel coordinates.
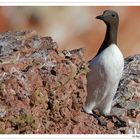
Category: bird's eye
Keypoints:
(113, 15)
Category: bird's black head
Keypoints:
(109, 17)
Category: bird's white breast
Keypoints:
(111, 60)
(106, 71)
(102, 81)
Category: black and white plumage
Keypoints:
(106, 68)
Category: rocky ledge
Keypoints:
(43, 90)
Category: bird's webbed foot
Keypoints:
(100, 121)
(97, 117)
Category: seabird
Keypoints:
(106, 68)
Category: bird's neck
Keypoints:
(110, 37)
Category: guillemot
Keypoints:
(106, 68)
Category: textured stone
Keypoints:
(127, 96)
(43, 90)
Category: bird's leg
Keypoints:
(97, 117)
(100, 121)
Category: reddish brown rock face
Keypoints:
(43, 90)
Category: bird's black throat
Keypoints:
(110, 37)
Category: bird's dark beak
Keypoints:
(101, 17)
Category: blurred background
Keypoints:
(74, 27)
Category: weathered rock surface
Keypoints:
(43, 90)
(127, 99)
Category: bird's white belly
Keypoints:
(111, 62)
(106, 71)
